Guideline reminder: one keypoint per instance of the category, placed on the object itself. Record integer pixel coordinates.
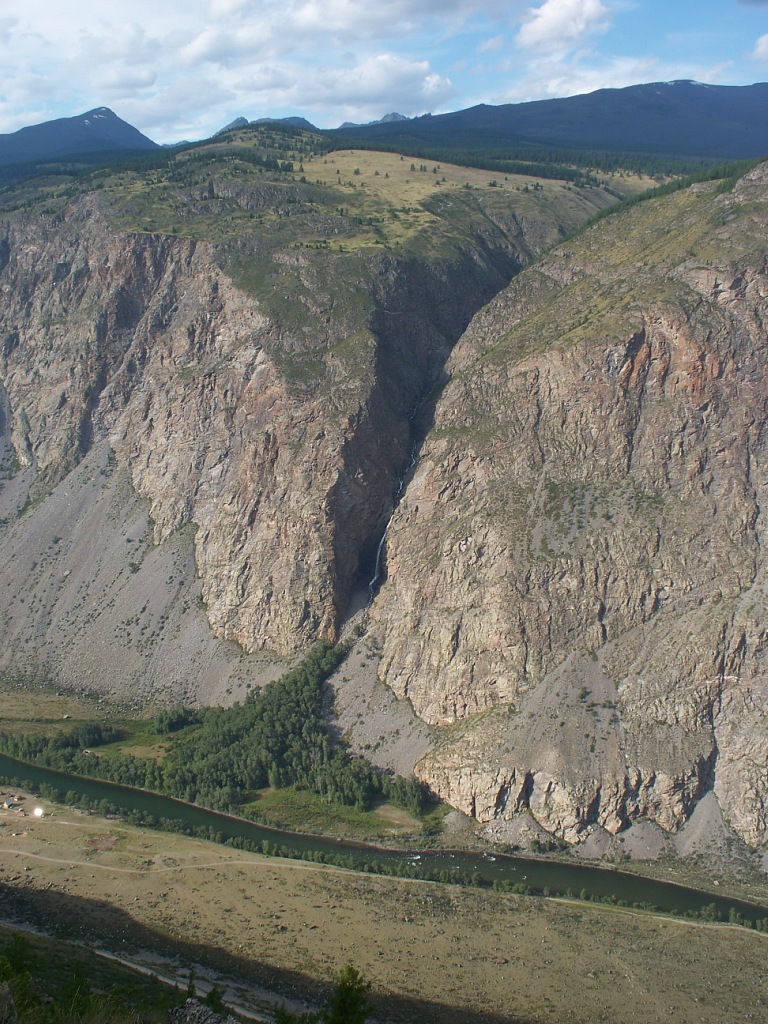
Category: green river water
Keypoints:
(538, 874)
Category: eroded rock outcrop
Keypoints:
(576, 573)
(278, 427)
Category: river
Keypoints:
(556, 877)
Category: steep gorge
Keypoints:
(272, 419)
(202, 441)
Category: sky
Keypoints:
(182, 69)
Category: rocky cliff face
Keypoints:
(574, 592)
(576, 573)
(276, 428)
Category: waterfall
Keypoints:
(380, 549)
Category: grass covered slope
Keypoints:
(250, 180)
(433, 953)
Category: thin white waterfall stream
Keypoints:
(380, 549)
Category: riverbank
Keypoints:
(432, 952)
(521, 875)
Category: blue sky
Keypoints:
(181, 70)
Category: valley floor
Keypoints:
(432, 952)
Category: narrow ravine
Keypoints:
(374, 582)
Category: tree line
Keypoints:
(576, 165)
(278, 737)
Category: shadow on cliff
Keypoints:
(87, 921)
(421, 313)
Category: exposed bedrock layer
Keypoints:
(279, 428)
(576, 572)
(575, 576)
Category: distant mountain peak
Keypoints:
(387, 119)
(239, 122)
(243, 122)
(97, 130)
(294, 121)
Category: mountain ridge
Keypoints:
(681, 118)
(96, 131)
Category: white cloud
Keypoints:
(352, 19)
(491, 45)
(227, 8)
(552, 78)
(268, 78)
(560, 24)
(183, 68)
(352, 16)
(561, 79)
(122, 80)
(104, 44)
(190, 102)
(229, 47)
(343, 17)
(382, 81)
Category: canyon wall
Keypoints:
(202, 446)
(274, 431)
(576, 572)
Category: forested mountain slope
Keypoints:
(679, 118)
